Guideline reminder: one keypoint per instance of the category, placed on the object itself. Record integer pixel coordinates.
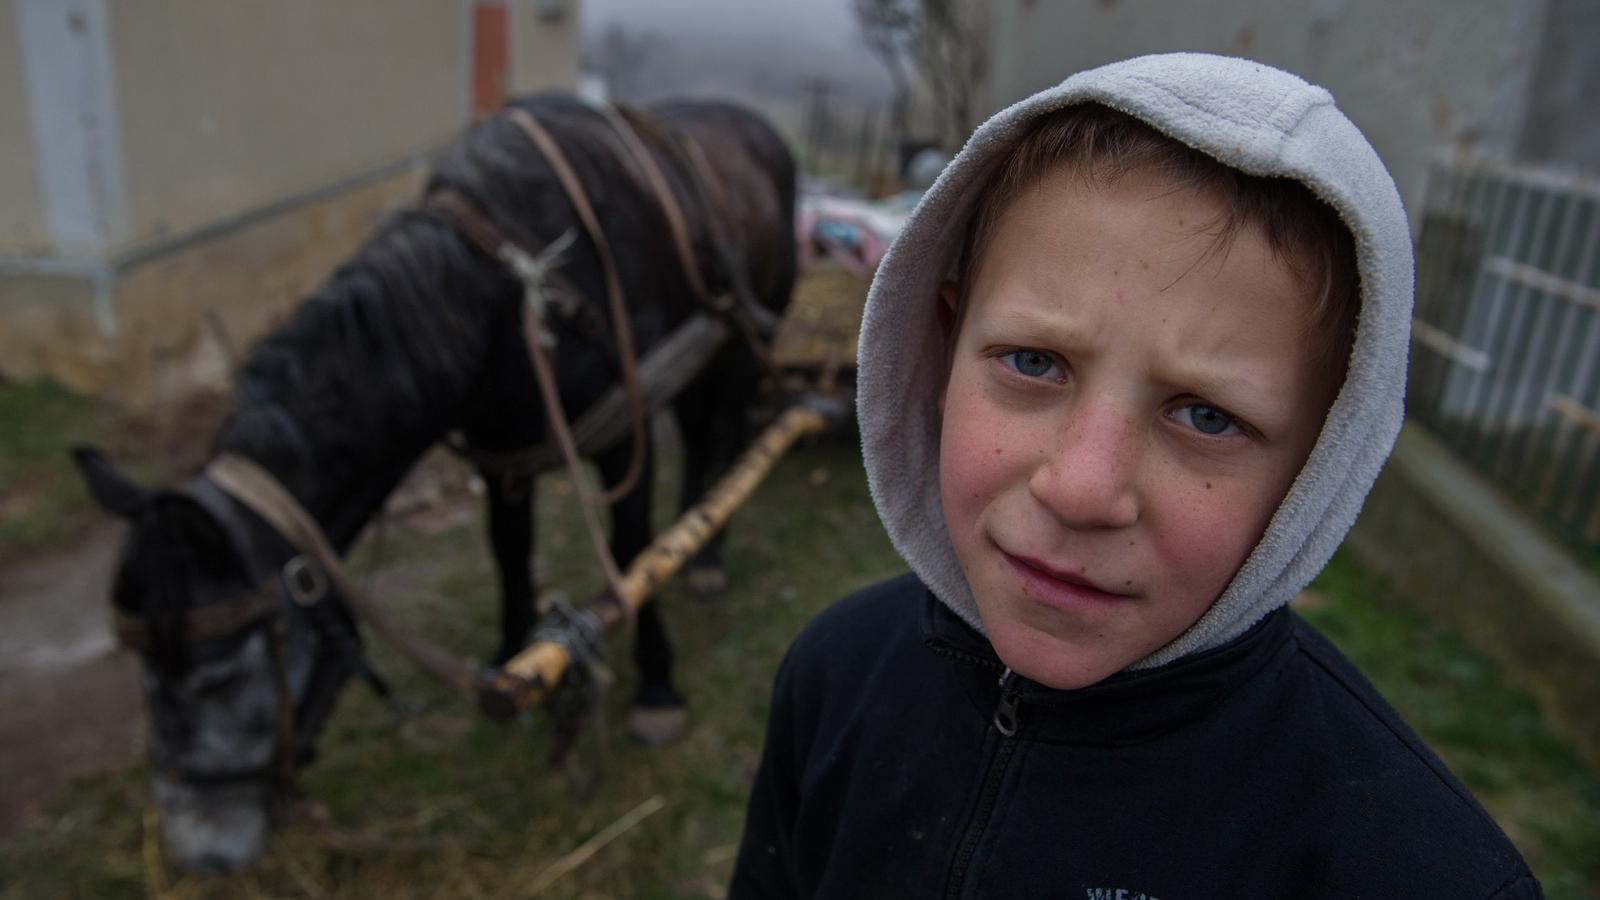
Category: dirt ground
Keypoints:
(69, 697)
(70, 700)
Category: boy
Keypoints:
(1126, 378)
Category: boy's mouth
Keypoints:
(1053, 587)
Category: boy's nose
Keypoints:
(1088, 478)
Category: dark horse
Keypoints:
(419, 335)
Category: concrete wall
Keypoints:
(180, 316)
(182, 173)
(185, 316)
(202, 111)
(50, 323)
(22, 224)
(1415, 77)
(544, 46)
(1561, 128)
(227, 106)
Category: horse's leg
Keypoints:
(511, 534)
(712, 419)
(658, 713)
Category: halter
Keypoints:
(277, 591)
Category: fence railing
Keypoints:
(1505, 363)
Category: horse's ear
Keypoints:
(110, 488)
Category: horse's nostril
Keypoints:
(215, 864)
(211, 830)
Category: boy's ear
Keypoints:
(945, 309)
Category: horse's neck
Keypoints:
(344, 477)
(342, 401)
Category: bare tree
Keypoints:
(887, 27)
(621, 57)
(945, 41)
(950, 47)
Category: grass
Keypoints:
(1490, 734)
(445, 804)
(1588, 555)
(441, 803)
(42, 501)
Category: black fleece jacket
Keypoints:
(902, 760)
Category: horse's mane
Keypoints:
(376, 364)
(402, 320)
(373, 361)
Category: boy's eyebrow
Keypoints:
(1235, 384)
(1215, 384)
(1056, 325)
(1243, 388)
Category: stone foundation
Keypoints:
(164, 321)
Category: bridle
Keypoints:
(279, 589)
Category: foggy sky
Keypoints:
(824, 24)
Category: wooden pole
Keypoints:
(528, 676)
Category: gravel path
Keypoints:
(69, 697)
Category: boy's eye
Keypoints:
(1206, 419)
(1032, 363)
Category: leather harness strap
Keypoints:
(546, 377)
(657, 183)
(260, 491)
(619, 312)
(203, 623)
(741, 306)
(464, 215)
(483, 233)
(751, 318)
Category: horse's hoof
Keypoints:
(657, 725)
(708, 580)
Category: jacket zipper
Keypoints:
(1006, 721)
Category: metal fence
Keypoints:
(1505, 363)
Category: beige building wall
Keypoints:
(23, 228)
(228, 106)
(1417, 77)
(220, 160)
(544, 46)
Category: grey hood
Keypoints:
(1253, 118)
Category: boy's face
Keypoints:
(1123, 414)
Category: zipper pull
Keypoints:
(1005, 715)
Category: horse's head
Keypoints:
(243, 658)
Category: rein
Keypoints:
(253, 486)
(531, 271)
(614, 296)
(739, 306)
